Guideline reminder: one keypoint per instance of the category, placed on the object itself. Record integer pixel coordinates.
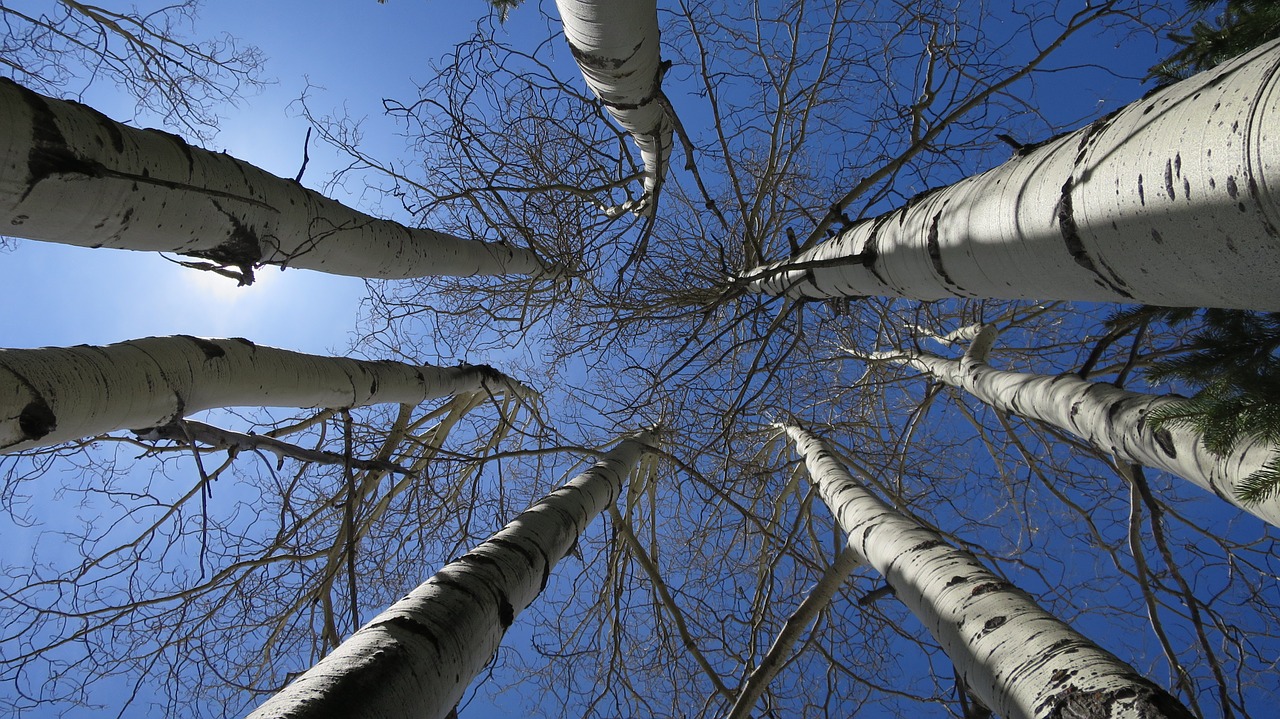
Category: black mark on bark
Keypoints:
(506, 613)
(988, 587)
(871, 251)
(928, 544)
(241, 249)
(1060, 676)
(1075, 246)
(1165, 440)
(1113, 410)
(184, 148)
(1147, 702)
(1266, 220)
(935, 251)
(414, 627)
(36, 420)
(49, 154)
(601, 62)
(516, 547)
(211, 350)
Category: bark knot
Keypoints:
(928, 544)
(36, 420)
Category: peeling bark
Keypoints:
(1016, 658)
(70, 174)
(417, 657)
(1070, 219)
(55, 394)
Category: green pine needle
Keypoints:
(1242, 26)
(1261, 485)
(1233, 361)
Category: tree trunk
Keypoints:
(1166, 202)
(70, 174)
(417, 658)
(800, 620)
(616, 45)
(1109, 418)
(55, 394)
(1018, 659)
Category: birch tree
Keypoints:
(1165, 202)
(72, 175)
(416, 658)
(1109, 418)
(805, 613)
(617, 47)
(1018, 659)
(56, 394)
(223, 555)
(796, 102)
(780, 118)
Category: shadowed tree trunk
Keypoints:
(72, 175)
(417, 658)
(1019, 660)
(55, 394)
(1166, 202)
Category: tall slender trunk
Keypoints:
(1166, 202)
(55, 394)
(616, 45)
(804, 615)
(1109, 418)
(70, 174)
(417, 657)
(1021, 661)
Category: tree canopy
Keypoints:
(1240, 26)
(204, 575)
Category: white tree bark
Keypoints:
(70, 174)
(417, 657)
(1019, 660)
(1111, 419)
(616, 45)
(55, 394)
(804, 615)
(1167, 202)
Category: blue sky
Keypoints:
(356, 53)
(353, 54)
(359, 52)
